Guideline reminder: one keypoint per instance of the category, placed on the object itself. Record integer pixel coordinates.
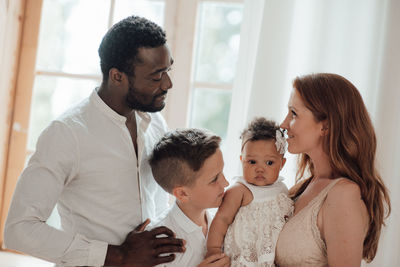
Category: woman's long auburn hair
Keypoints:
(350, 145)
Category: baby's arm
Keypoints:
(225, 215)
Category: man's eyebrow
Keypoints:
(163, 69)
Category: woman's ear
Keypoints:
(181, 193)
(324, 128)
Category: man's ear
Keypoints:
(115, 76)
(240, 157)
(283, 163)
(181, 193)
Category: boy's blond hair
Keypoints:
(180, 154)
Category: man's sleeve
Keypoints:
(53, 165)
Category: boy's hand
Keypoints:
(143, 248)
(216, 260)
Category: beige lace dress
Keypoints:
(300, 242)
(251, 238)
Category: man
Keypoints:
(92, 162)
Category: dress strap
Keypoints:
(315, 208)
(327, 188)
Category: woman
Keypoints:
(340, 198)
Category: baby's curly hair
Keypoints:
(119, 47)
(260, 129)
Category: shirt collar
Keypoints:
(185, 223)
(143, 119)
(243, 181)
(104, 108)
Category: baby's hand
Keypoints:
(216, 260)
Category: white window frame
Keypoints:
(181, 36)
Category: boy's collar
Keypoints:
(185, 222)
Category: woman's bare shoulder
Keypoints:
(344, 223)
(345, 188)
(344, 200)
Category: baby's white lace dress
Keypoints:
(252, 236)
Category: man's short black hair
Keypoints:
(120, 45)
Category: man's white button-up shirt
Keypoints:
(85, 162)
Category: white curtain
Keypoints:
(359, 39)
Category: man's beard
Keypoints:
(134, 103)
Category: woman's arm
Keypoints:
(344, 224)
(231, 203)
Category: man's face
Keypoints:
(149, 85)
(208, 189)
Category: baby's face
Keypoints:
(261, 162)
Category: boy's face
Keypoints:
(261, 162)
(208, 189)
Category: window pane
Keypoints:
(70, 34)
(210, 110)
(152, 10)
(218, 42)
(51, 97)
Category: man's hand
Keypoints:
(143, 248)
(216, 260)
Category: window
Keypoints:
(60, 66)
(67, 66)
(216, 52)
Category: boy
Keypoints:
(188, 164)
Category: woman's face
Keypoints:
(305, 134)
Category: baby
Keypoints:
(256, 207)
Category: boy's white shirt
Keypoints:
(186, 229)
